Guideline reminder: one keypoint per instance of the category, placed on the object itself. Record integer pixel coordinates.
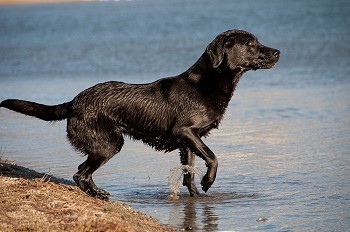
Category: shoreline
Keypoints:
(33, 201)
(29, 2)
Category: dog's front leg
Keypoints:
(188, 158)
(193, 141)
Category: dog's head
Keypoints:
(240, 49)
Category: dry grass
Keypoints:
(30, 201)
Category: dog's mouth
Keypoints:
(267, 63)
(270, 62)
(270, 65)
(264, 64)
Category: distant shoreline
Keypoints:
(26, 2)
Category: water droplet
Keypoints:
(175, 178)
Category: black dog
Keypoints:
(168, 114)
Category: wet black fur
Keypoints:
(168, 114)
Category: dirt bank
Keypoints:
(31, 201)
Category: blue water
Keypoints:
(283, 146)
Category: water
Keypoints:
(283, 146)
(176, 177)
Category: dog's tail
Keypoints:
(44, 112)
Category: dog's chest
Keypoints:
(205, 130)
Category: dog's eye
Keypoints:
(250, 43)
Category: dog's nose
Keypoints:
(276, 53)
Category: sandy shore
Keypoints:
(31, 201)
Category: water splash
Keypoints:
(175, 178)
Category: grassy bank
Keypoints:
(31, 201)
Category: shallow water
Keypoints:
(283, 146)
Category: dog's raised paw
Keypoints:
(206, 183)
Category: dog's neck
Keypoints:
(219, 83)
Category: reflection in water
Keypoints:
(188, 216)
(202, 213)
(211, 219)
(189, 220)
(186, 213)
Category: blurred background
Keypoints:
(283, 146)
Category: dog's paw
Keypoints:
(207, 182)
(98, 193)
(101, 191)
(102, 196)
(193, 191)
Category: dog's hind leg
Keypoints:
(96, 158)
(83, 178)
(188, 158)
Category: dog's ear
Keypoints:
(215, 50)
